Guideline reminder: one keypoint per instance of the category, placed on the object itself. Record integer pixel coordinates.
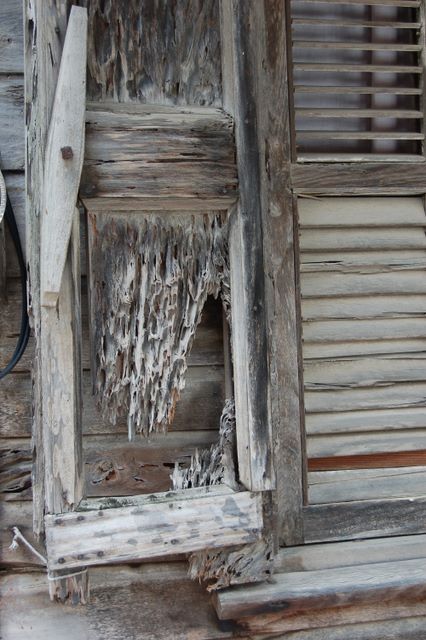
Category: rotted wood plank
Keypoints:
(164, 53)
(153, 526)
(11, 37)
(132, 150)
(299, 591)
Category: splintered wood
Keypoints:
(150, 278)
(219, 568)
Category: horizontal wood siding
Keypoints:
(363, 288)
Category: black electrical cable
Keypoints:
(24, 333)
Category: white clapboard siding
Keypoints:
(363, 307)
(359, 348)
(365, 372)
(379, 238)
(361, 444)
(377, 212)
(362, 484)
(355, 422)
(377, 329)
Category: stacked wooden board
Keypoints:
(363, 287)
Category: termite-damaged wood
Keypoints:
(155, 525)
(159, 52)
(150, 278)
(224, 567)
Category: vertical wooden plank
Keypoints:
(282, 296)
(249, 339)
(57, 478)
(254, 47)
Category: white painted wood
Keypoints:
(386, 420)
(348, 330)
(62, 173)
(329, 350)
(316, 285)
(363, 484)
(367, 443)
(181, 522)
(363, 372)
(370, 212)
(393, 395)
(364, 307)
(363, 261)
(364, 239)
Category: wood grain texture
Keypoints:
(181, 522)
(369, 519)
(12, 122)
(341, 623)
(63, 160)
(309, 590)
(164, 53)
(364, 179)
(132, 151)
(119, 594)
(11, 37)
(347, 554)
(242, 35)
(363, 484)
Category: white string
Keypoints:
(17, 535)
(2, 196)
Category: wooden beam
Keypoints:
(56, 422)
(133, 149)
(366, 178)
(307, 590)
(64, 157)
(155, 525)
(240, 42)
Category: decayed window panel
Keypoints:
(150, 277)
(357, 79)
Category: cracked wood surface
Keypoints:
(155, 525)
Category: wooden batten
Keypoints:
(154, 157)
(155, 525)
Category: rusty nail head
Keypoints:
(67, 153)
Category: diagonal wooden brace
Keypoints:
(64, 157)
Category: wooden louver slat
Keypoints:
(362, 61)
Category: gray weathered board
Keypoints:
(153, 525)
